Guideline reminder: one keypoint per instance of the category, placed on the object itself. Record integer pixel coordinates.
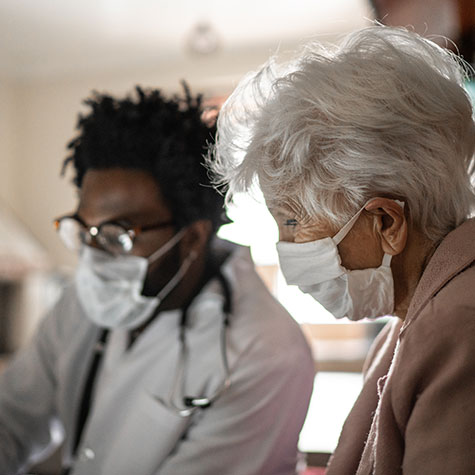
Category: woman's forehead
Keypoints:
(110, 194)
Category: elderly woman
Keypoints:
(365, 156)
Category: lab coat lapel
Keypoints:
(144, 428)
(73, 372)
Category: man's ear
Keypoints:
(196, 237)
(391, 224)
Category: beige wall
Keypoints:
(8, 131)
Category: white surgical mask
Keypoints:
(315, 267)
(109, 287)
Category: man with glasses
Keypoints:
(167, 355)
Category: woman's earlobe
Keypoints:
(393, 224)
(394, 238)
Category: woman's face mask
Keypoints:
(315, 267)
(110, 287)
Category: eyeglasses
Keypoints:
(112, 236)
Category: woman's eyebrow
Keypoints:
(279, 212)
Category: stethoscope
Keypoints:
(187, 404)
(176, 401)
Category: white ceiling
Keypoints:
(41, 38)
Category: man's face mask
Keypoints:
(109, 287)
(315, 267)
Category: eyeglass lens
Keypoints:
(111, 237)
(114, 239)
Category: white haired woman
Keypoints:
(365, 156)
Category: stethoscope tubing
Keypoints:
(192, 404)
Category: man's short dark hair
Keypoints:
(165, 137)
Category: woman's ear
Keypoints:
(391, 224)
(196, 237)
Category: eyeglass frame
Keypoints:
(93, 231)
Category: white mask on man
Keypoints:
(315, 267)
(110, 287)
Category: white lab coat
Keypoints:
(251, 429)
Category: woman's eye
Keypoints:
(291, 222)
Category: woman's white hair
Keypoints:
(383, 114)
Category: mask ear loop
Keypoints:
(341, 234)
(173, 282)
(166, 247)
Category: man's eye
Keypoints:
(291, 222)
